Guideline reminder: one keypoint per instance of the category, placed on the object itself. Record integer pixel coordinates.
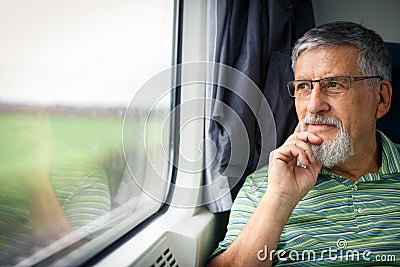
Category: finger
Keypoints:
(293, 141)
(297, 129)
(307, 149)
(309, 138)
(314, 168)
(300, 143)
(291, 137)
(271, 157)
(292, 153)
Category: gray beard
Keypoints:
(331, 152)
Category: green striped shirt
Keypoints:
(338, 223)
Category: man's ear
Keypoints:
(385, 98)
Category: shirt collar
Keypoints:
(390, 162)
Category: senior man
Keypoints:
(330, 195)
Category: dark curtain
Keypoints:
(388, 123)
(257, 38)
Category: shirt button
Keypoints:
(360, 210)
(355, 188)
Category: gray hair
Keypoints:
(374, 58)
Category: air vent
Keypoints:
(166, 259)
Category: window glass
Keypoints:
(79, 139)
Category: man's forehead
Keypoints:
(320, 62)
(350, 48)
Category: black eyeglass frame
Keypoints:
(353, 79)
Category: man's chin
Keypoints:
(333, 150)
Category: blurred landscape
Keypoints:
(60, 136)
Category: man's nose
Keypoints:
(317, 101)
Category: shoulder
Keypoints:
(243, 207)
(390, 155)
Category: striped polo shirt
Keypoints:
(338, 223)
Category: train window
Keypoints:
(82, 148)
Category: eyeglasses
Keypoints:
(329, 85)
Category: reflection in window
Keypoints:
(68, 71)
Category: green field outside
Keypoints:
(29, 141)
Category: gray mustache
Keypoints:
(310, 119)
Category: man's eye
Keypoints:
(335, 84)
(303, 86)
